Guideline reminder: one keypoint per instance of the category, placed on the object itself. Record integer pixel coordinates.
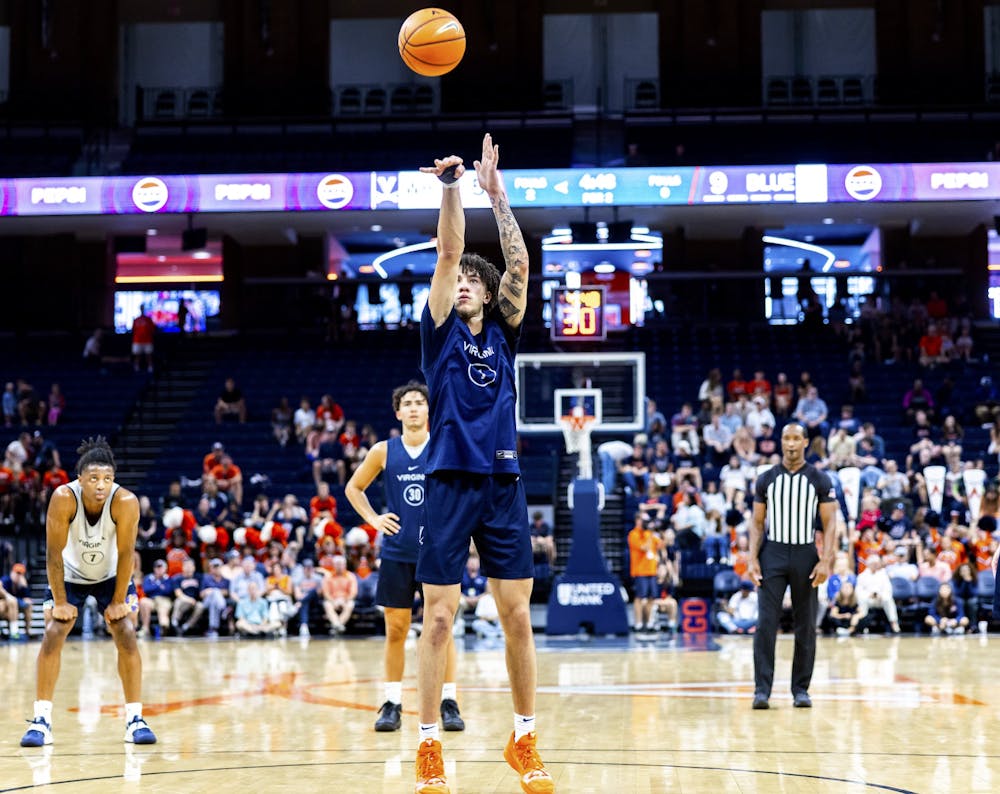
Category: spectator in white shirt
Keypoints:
(874, 589)
(718, 440)
(740, 614)
(901, 567)
(304, 418)
(758, 416)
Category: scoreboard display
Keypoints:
(578, 313)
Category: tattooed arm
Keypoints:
(513, 297)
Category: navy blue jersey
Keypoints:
(472, 395)
(404, 496)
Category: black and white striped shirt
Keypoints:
(793, 500)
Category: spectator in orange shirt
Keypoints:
(213, 458)
(352, 446)
(330, 414)
(178, 550)
(984, 545)
(736, 386)
(340, 589)
(759, 386)
(229, 478)
(53, 478)
(143, 329)
(327, 548)
(322, 505)
(951, 550)
(869, 543)
(931, 352)
(643, 546)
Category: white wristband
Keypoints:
(450, 185)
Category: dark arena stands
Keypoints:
(788, 208)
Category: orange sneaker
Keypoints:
(430, 769)
(524, 759)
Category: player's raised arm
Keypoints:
(450, 238)
(513, 297)
(364, 475)
(62, 507)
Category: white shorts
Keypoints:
(138, 349)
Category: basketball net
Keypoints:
(576, 429)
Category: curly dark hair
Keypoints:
(94, 452)
(402, 391)
(474, 264)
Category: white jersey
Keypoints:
(91, 551)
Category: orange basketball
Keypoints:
(431, 42)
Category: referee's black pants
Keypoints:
(783, 565)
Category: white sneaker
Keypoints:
(960, 630)
(984, 626)
(304, 630)
(842, 631)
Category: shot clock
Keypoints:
(578, 313)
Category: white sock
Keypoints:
(132, 710)
(429, 732)
(394, 692)
(43, 709)
(449, 691)
(523, 725)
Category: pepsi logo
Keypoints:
(334, 191)
(150, 194)
(863, 183)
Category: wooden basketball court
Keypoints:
(890, 714)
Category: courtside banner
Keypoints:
(568, 187)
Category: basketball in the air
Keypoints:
(431, 42)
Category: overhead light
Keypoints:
(376, 227)
(828, 221)
(815, 249)
(562, 230)
(604, 267)
(151, 232)
(161, 258)
(404, 249)
(810, 237)
(201, 255)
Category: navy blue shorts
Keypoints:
(397, 584)
(103, 592)
(491, 510)
(646, 587)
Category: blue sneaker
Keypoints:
(138, 732)
(39, 734)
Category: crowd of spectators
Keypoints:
(688, 479)
(30, 471)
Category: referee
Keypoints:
(787, 499)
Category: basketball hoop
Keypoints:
(576, 428)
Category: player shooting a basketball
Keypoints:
(469, 334)
(90, 532)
